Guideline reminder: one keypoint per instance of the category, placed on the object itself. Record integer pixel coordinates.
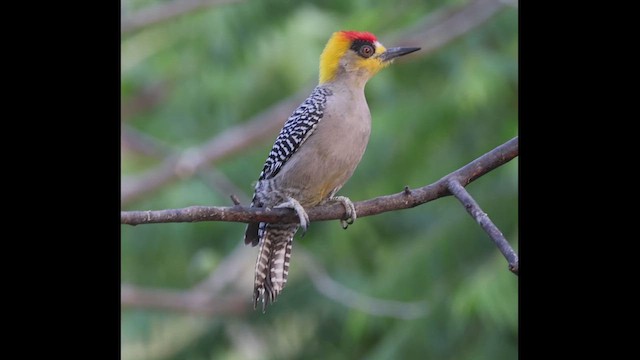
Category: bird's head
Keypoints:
(357, 55)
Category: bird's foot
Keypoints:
(292, 203)
(349, 208)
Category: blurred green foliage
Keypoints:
(431, 115)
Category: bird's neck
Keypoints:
(355, 81)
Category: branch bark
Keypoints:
(485, 223)
(407, 198)
(451, 184)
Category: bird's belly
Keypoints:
(317, 171)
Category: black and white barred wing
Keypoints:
(298, 127)
(295, 131)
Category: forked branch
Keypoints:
(451, 184)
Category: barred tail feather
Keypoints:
(272, 266)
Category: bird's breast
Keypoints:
(328, 158)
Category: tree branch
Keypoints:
(445, 24)
(405, 199)
(225, 144)
(335, 291)
(158, 13)
(483, 220)
(182, 301)
(136, 141)
(205, 299)
(451, 184)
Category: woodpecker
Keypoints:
(316, 152)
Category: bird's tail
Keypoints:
(272, 266)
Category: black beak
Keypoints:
(393, 53)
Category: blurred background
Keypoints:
(205, 88)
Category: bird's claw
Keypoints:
(349, 208)
(292, 203)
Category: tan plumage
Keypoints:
(316, 152)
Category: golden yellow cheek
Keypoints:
(372, 65)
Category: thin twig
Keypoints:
(235, 200)
(483, 220)
(402, 200)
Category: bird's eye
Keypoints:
(366, 51)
